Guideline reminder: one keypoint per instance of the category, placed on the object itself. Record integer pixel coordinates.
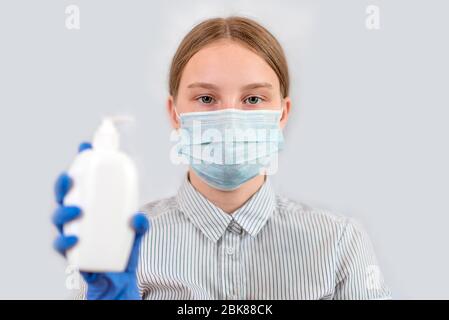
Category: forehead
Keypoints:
(227, 63)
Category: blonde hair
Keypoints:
(243, 30)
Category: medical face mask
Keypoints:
(228, 147)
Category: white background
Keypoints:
(367, 137)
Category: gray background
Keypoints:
(367, 136)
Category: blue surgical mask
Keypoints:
(228, 147)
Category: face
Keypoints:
(223, 75)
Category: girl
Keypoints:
(226, 234)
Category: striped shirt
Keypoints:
(270, 248)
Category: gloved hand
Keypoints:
(105, 285)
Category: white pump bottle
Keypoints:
(105, 187)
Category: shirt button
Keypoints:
(230, 250)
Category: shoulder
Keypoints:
(316, 218)
(162, 209)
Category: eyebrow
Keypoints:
(206, 85)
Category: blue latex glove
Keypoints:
(105, 285)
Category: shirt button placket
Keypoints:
(231, 263)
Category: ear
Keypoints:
(172, 113)
(286, 105)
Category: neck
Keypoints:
(228, 201)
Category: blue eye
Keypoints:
(208, 99)
(253, 99)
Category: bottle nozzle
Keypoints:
(107, 136)
(121, 118)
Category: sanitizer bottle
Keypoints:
(105, 187)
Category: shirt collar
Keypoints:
(213, 221)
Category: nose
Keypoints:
(231, 103)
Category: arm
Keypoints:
(108, 285)
(357, 272)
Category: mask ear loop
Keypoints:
(177, 114)
(281, 113)
(179, 119)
